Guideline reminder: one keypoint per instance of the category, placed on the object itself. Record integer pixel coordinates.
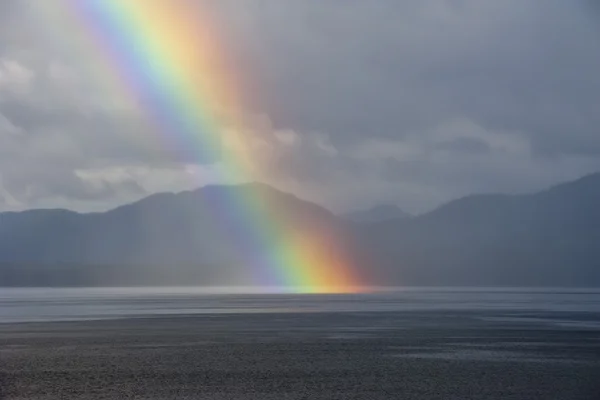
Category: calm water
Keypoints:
(37, 304)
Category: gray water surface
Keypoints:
(79, 304)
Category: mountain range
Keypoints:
(549, 238)
(165, 239)
(381, 212)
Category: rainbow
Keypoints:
(169, 59)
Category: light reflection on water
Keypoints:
(57, 304)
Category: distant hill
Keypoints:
(186, 238)
(378, 213)
(550, 238)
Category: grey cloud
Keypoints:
(386, 68)
(465, 145)
(396, 70)
(369, 88)
(29, 184)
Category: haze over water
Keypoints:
(73, 304)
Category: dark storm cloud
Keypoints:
(524, 73)
(386, 68)
(593, 5)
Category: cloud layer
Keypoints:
(412, 102)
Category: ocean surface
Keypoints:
(81, 304)
(222, 343)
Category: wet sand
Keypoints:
(399, 355)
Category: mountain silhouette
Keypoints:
(381, 212)
(548, 238)
(209, 236)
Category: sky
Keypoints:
(358, 103)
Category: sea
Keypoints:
(18, 305)
(262, 344)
